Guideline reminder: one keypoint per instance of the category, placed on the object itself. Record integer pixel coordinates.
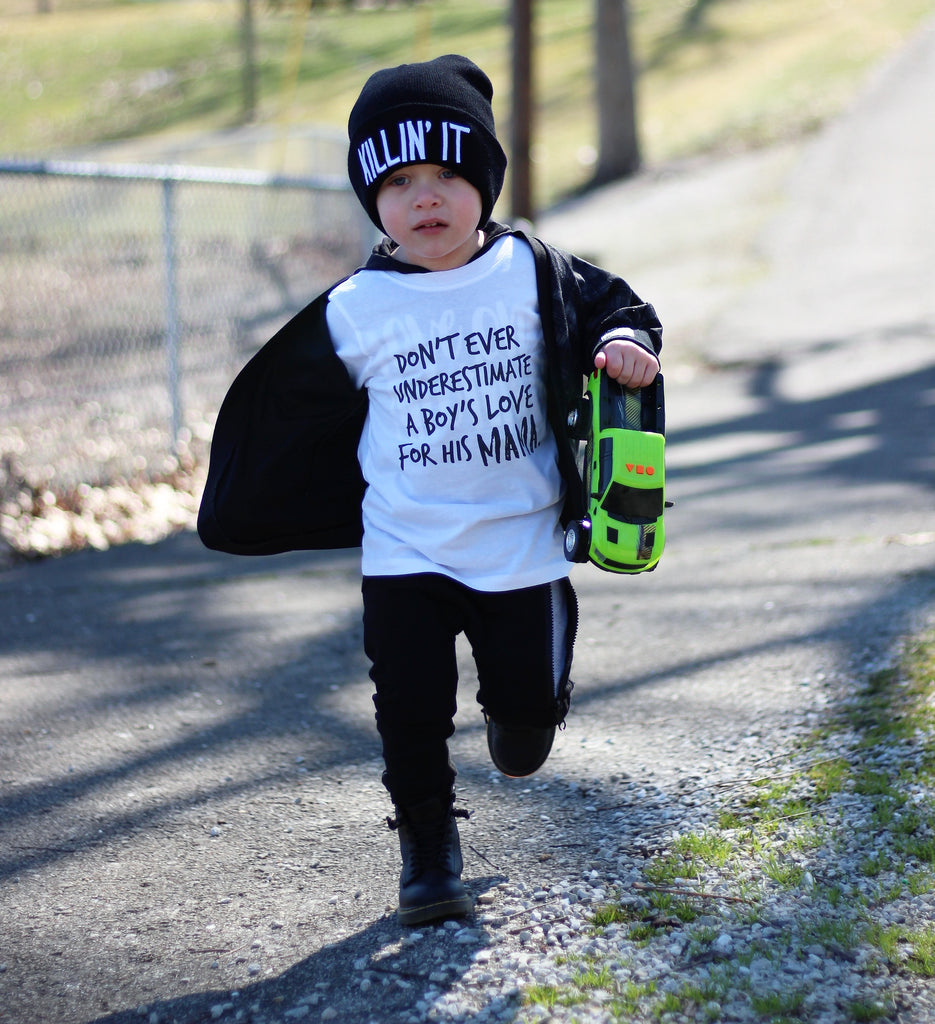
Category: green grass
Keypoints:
(687, 858)
(831, 930)
(921, 959)
(828, 777)
(778, 1005)
(783, 872)
(621, 999)
(895, 710)
(715, 75)
(861, 1012)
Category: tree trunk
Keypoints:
(618, 139)
(521, 203)
(248, 38)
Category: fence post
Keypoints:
(172, 313)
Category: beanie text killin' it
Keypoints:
(437, 112)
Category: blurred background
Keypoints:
(172, 189)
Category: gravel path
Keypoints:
(192, 821)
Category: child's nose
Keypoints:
(426, 195)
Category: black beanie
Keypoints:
(433, 113)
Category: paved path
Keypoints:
(188, 770)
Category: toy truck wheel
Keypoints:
(577, 540)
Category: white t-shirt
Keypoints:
(457, 452)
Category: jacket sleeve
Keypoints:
(584, 306)
(605, 307)
(283, 473)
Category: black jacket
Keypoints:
(283, 473)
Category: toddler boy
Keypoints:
(421, 405)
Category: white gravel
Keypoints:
(757, 950)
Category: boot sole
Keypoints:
(435, 911)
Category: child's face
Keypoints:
(431, 213)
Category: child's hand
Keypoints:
(631, 365)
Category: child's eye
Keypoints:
(400, 179)
(447, 173)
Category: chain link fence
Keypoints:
(131, 295)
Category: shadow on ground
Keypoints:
(124, 669)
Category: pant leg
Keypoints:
(523, 642)
(410, 626)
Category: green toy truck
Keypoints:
(624, 477)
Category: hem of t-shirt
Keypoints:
(491, 583)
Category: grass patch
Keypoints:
(833, 931)
(905, 948)
(615, 913)
(592, 977)
(828, 777)
(708, 848)
(890, 721)
(705, 996)
(921, 959)
(629, 997)
(778, 1005)
(712, 75)
(783, 872)
(645, 921)
(689, 855)
(541, 995)
(621, 998)
(866, 1011)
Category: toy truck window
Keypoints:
(633, 504)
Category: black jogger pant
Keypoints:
(522, 643)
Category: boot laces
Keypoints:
(432, 839)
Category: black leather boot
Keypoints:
(518, 750)
(430, 886)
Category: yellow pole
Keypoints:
(290, 82)
(423, 38)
